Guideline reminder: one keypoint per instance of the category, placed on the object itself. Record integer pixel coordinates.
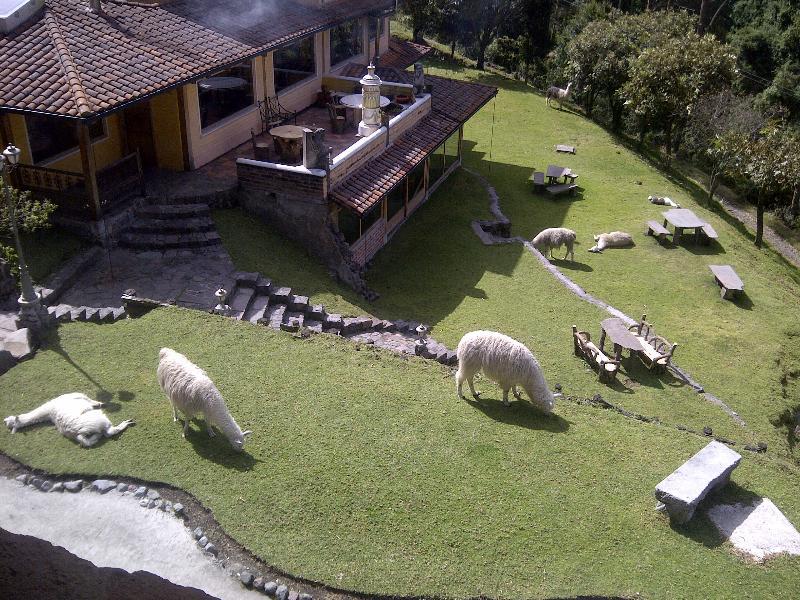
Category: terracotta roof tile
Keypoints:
(403, 53)
(72, 62)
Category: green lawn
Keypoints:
(366, 472)
(45, 250)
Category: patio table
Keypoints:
(618, 332)
(683, 218)
(355, 100)
(554, 173)
(288, 142)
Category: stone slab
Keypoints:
(685, 488)
(19, 343)
(759, 530)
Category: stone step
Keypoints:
(178, 225)
(180, 200)
(279, 295)
(173, 211)
(241, 301)
(256, 309)
(263, 285)
(155, 241)
(273, 316)
(292, 320)
(245, 279)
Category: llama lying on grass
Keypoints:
(615, 239)
(75, 415)
(505, 361)
(555, 237)
(558, 94)
(191, 392)
(663, 201)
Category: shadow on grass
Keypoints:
(571, 265)
(743, 301)
(700, 529)
(520, 414)
(643, 376)
(217, 449)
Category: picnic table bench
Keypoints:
(537, 177)
(683, 490)
(654, 351)
(561, 188)
(729, 282)
(656, 229)
(707, 233)
(606, 367)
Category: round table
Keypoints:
(355, 100)
(288, 141)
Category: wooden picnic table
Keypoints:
(683, 218)
(620, 336)
(554, 173)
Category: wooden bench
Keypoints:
(605, 366)
(561, 188)
(729, 282)
(683, 490)
(655, 352)
(707, 234)
(537, 177)
(656, 229)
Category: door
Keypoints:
(139, 132)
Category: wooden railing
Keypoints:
(117, 182)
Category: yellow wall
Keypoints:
(107, 149)
(165, 116)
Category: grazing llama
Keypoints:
(558, 94)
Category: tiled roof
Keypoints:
(403, 53)
(450, 97)
(366, 186)
(72, 62)
(452, 103)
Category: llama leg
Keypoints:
(119, 428)
(459, 383)
(517, 395)
(475, 394)
(210, 431)
(174, 414)
(185, 425)
(87, 441)
(505, 397)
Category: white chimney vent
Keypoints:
(14, 13)
(94, 6)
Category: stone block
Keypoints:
(350, 325)
(683, 490)
(119, 313)
(280, 295)
(298, 303)
(332, 321)
(103, 485)
(106, 315)
(7, 361)
(263, 285)
(20, 344)
(92, 314)
(9, 322)
(244, 279)
(315, 311)
(292, 321)
(63, 312)
(313, 326)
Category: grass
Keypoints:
(365, 472)
(46, 249)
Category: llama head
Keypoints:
(11, 422)
(238, 442)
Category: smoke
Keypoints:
(242, 14)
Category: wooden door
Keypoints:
(139, 133)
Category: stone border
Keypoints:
(490, 239)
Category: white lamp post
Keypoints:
(30, 309)
(370, 103)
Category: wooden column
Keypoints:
(188, 163)
(89, 170)
(5, 130)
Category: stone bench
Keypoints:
(682, 491)
(707, 234)
(537, 177)
(656, 229)
(729, 282)
(562, 188)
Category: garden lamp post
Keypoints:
(30, 308)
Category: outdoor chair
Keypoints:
(338, 115)
(273, 113)
(605, 366)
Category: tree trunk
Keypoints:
(702, 22)
(796, 201)
(759, 222)
(452, 49)
(417, 34)
(668, 133)
(713, 184)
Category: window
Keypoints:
(50, 137)
(451, 149)
(436, 167)
(346, 41)
(349, 226)
(373, 26)
(369, 219)
(294, 63)
(225, 93)
(395, 201)
(416, 181)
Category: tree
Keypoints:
(422, 14)
(665, 82)
(484, 20)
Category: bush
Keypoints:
(506, 53)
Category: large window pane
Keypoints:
(225, 93)
(395, 201)
(370, 218)
(294, 63)
(436, 167)
(373, 26)
(49, 137)
(416, 180)
(349, 226)
(451, 148)
(346, 41)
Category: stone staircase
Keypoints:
(255, 298)
(66, 313)
(171, 224)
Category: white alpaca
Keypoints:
(191, 392)
(663, 201)
(558, 94)
(615, 239)
(75, 415)
(505, 361)
(555, 237)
